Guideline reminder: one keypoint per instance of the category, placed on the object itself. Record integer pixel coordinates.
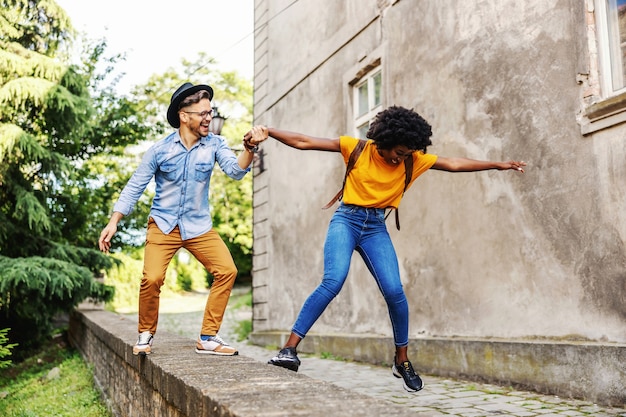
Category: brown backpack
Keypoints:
(354, 155)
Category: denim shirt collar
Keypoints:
(203, 141)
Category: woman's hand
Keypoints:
(515, 165)
(255, 136)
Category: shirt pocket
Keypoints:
(169, 171)
(203, 171)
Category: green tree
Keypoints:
(57, 125)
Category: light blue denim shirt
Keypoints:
(182, 180)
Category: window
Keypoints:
(611, 22)
(605, 98)
(367, 101)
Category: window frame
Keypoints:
(373, 107)
(606, 52)
(609, 107)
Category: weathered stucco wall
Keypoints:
(483, 255)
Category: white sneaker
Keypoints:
(215, 345)
(144, 344)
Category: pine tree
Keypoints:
(52, 198)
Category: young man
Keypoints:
(180, 217)
(376, 182)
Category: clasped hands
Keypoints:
(255, 136)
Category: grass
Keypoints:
(27, 391)
(328, 355)
(243, 329)
(240, 299)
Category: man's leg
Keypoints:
(160, 248)
(213, 253)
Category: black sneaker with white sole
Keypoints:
(412, 381)
(286, 358)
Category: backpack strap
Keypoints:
(408, 174)
(354, 155)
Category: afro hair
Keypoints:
(400, 126)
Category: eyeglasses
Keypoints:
(203, 114)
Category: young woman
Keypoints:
(375, 183)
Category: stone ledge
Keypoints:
(175, 381)
(589, 371)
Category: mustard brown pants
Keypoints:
(210, 250)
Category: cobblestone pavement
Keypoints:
(440, 396)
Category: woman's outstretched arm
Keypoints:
(300, 140)
(471, 165)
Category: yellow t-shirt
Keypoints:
(374, 183)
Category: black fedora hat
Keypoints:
(179, 95)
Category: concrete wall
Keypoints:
(539, 256)
(589, 370)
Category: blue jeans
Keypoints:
(362, 229)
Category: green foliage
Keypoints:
(243, 329)
(30, 393)
(240, 300)
(125, 277)
(40, 26)
(33, 290)
(58, 126)
(188, 272)
(68, 145)
(184, 273)
(5, 348)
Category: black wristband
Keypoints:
(252, 149)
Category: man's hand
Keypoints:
(255, 136)
(104, 243)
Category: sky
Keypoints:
(155, 35)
